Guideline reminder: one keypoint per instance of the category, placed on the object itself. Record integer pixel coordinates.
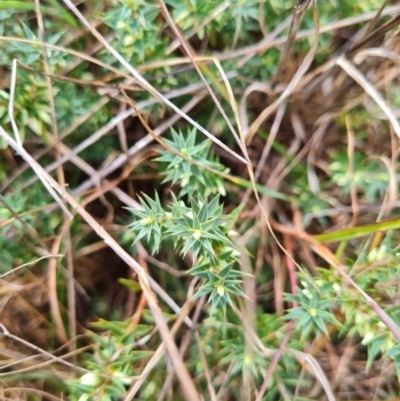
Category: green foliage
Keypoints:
(112, 364)
(307, 201)
(200, 228)
(316, 306)
(152, 220)
(194, 224)
(350, 7)
(191, 177)
(31, 110)
(27, 53)
(220, 280)
(137, 34)
(368, 175)
(394, 354)
(188, 16)
(12, 232)
(312, 313)
(72, 102)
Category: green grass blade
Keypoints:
(261, 189)
(24, 6)
(361, 231)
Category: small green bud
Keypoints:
(197, 234)
(90, 379)
(124, 379)
(147, 221)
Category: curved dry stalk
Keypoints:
(376, 52)
(31, 263)
(61, 181)
(353, 72)
(267, 148)
(263, 87)
(52, 283)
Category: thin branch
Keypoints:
(304, 66)
(274, 361)
(298, 15)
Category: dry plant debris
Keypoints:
(198, 200)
